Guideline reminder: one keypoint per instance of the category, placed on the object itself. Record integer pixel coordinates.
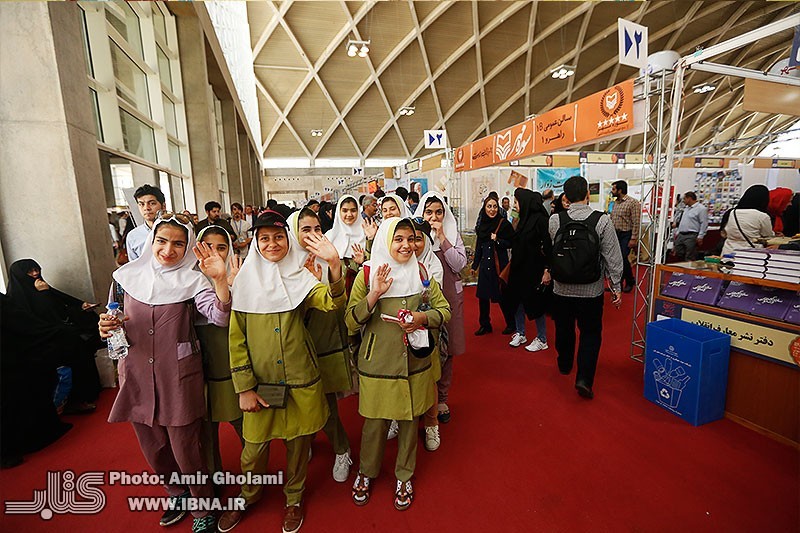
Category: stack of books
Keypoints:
(776, 265)
(783, 265)
(750, 262)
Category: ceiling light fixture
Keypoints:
(357, 48)
(406, 111)
(563, 72)
(704, 88)
(316, 133)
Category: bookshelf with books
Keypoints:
(762, 316)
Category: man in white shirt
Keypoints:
(692, 228)
(250, 215)
(242, 228)
(150, 201)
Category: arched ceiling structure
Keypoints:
(475, 67)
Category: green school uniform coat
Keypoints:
(222, 402)
(333, 351)
(393, 384)
(277, 349)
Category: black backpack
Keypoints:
(576, 250)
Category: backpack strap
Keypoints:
(593, 219)
(366, 275)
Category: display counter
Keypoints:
(763, 319)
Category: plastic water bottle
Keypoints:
(426, 296)
(117, 343)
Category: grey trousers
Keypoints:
(686, 246)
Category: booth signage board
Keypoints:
(709, 162)
(557, 128)
(632, 43)
(461, 159)
(783, 163)
(412, 166)
(794, 57)
(599, 115)
(514, 143)
(482, 153)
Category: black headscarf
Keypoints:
(497, 224)
(326, 216)
(755, 197)
(50, 306)
(531, 210)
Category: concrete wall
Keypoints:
(48, 151)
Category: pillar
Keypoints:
(199, 105)
(230, 132)
(52, 200)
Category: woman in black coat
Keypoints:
(494, 234)
(74, 323)
(530, 250)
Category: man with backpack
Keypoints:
(585, 251)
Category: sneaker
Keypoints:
(403, 495)
(361, 490)
(341, 467)
(537, 345)
(432, 439)
(229, 520)
(293, 518)
(517, 340)
(394, 429)
(207, 524)
(175, 513)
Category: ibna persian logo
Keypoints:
(64, 494)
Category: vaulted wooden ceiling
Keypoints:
(474, 67)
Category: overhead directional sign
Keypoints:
(632, 43)
(358, 171)
(435, 139)
(794, 58)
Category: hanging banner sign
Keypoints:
(482, 153)
(556, 129)
(599, 115)
(514, 143)
(709, 162)
(605, 113)
(461, 158)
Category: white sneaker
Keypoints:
(341, 467)
(517, 340)
(536, 345)
(432, 439)
(394, 429)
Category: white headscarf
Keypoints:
(343, 236)
(405, 275)
(149, 282)
(229, 259)
(449, 226)
(294, 234)
(430, 261)
(265, 287)
(401, 205)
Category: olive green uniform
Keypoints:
(333, 353)
(393, 383)
(222, 402)
(276, 349)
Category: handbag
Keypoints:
(504, 274)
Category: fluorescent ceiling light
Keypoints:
(562, 72)
(357, 48)
(704, 88)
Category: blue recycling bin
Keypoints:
(686, 369)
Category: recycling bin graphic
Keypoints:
(686, 369)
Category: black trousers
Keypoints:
(485, 319)
(588, 313)
(627, 272)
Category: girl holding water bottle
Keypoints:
(161, 379)
(394, 383)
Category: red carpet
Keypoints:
(522, 453)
